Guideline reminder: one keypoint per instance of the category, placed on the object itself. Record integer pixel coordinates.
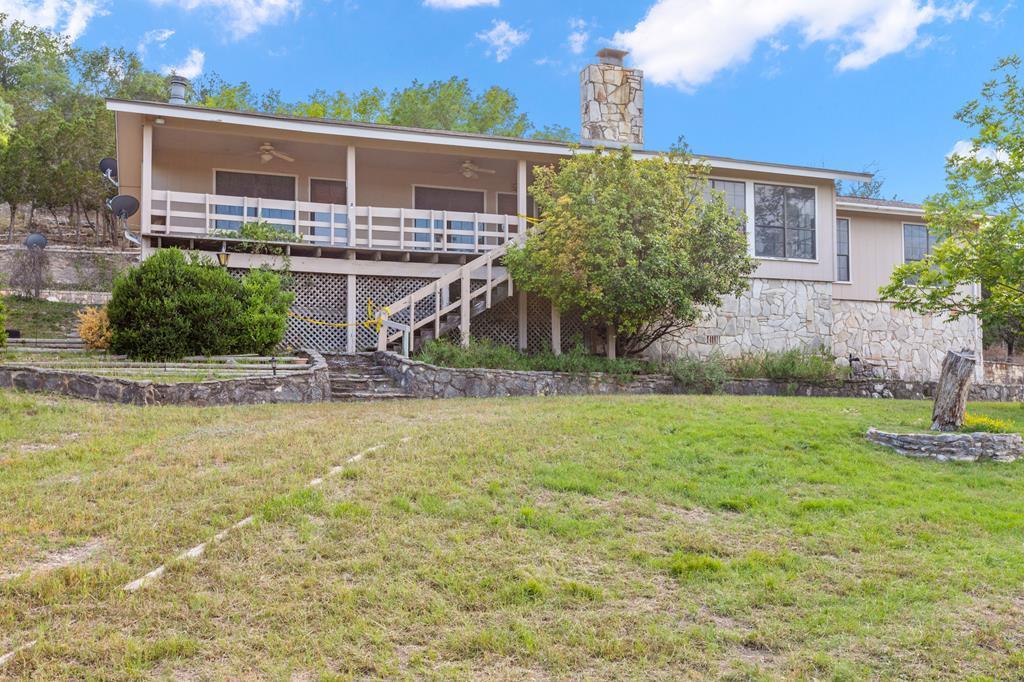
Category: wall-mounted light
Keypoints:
(159, 120)
(222, 258)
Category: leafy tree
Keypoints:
(979, 218)
(441, 105)
(632, 245)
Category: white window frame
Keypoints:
(903, 239)
(752, 222)
(849, 244)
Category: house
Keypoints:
(415, 222)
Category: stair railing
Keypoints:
(463, 302)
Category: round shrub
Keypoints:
(172, 305)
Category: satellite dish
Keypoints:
(123, 206)
(36, 241)
(108, 167)
(132, 237)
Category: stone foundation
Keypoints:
(773, 315)
(779, 315)
(953, 447)
(900, 344)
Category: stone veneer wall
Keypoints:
(1004, 373)
(773, 315)
(429, 381)
(900, 344)
(309, 386)
(612, 105)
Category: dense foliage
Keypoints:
(708, 374)
(979, 219)
(172, 305)
(635, 244)
(441, 104)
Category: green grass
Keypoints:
(603, 538)
(40, 319)
(487, 354)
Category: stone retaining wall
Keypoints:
(428, 381)
(953, 447)
(74, 268)
(308, 386)
(1004, 372)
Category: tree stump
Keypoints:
(951, 392)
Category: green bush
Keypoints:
(172, 305)
(814, 367)
(703, 375)
(3, 324)
(489, 355)
(266, 310)
(259, 237)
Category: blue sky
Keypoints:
(847, 84)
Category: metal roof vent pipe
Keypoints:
(179, 86)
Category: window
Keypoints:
(842, 249)
(323, 191)
(734, 193)
(254, 186)
(439, 199)
(917, 242)
(784, 224)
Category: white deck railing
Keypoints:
(372, 227)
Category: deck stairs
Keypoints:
(455, 301)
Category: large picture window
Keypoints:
(254, 186)
(784, 222)
(842, 249)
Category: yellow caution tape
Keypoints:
(375, 319)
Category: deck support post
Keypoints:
(147, 182)
(521, 203)
(523, 330)
(350, 192)
(350, 314)
(464, 309)
(556, 330)
(611, 339)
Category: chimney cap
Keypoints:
(610, 55)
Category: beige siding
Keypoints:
(876, 248)
(129, 158)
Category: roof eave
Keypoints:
(440, 137)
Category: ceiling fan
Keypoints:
(472, 171)
(267, 154)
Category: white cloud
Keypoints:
(966, 149)
(158, 37)
(502, 39)
(242, 17)
(191, 67)
(687, 42)
(579, 35)
(70, 17)
(460, 4)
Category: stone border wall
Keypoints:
(428, 381)
(1004, 372)
(953, 447)
(308, 386)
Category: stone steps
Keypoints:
(358, 378)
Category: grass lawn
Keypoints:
(40, 319)
(612, 537)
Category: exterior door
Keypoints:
(460, 232)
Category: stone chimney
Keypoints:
(179, 85)
(612, 102)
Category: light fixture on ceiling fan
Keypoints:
(267, 154)
(472, 171)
